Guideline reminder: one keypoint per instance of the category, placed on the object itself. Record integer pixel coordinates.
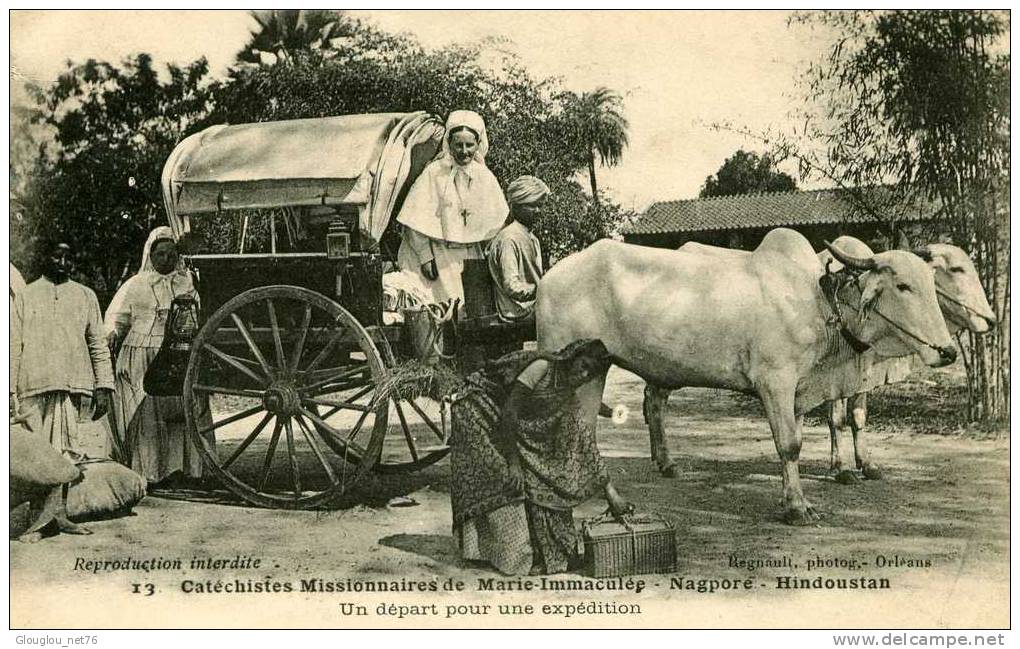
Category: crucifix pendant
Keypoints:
(464, 215)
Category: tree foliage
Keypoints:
(281, 32)
(406, 77)
(747, 173)
(919, 100)
(26, 162)
(97, 185)
(112, 126)
(572, 222)
(532, 124)
(594, 125)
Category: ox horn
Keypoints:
(856, 263)
(924, 252)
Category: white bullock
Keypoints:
(757, 323)
(964, 307)
(963, 304)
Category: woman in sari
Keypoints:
(151, 430)
(453, 208)
(523, 458)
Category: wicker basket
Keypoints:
(641, 544)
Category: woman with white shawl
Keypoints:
(453, 208)
(151, 429)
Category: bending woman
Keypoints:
(523, 458)
(453, 207)
(151, 429)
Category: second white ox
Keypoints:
(759, 324)
(963, 304)
(964, 307)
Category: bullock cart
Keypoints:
(287, 228)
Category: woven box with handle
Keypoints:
(640, 544)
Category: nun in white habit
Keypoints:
(454, 207)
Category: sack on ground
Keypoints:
(21, 518)
(107, 489)
(36, 469)
(35, 463)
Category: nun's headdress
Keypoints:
(473, 121)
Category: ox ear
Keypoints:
(902, 242)
(869, 295)
(924, 252)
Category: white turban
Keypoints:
(525, 190)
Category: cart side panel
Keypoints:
(359, 279)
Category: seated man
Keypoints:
(514, 254)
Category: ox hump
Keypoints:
(851, 246)
(789, 248)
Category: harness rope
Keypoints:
(831, 284)
(907, 332)
(837, 283)
(439, 314)
(949, 297)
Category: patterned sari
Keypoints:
(516, 526)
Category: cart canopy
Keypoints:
(364, 160)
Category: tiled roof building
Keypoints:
(741, 221)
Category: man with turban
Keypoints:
(514, 255)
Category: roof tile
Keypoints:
(747, 211)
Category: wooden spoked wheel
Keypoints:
(418, 429)
(290, 377)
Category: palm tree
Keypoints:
(282, 32)
(596, 126)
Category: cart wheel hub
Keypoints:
(282, 400)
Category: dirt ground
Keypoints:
(944, 501)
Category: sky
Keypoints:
(678, 71)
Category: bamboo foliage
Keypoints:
(919, 101)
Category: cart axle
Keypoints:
(282, 399)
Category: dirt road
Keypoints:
(937, 528)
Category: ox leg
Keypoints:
(833, 410)
(786, 433)
(858, 419)
(840, 470)
(653, 406)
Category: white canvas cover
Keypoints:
(352, 159)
